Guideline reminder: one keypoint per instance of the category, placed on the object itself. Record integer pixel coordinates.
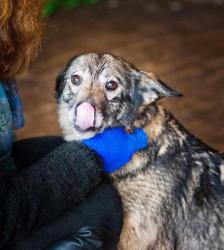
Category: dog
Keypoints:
(172, 191)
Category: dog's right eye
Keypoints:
(76, 80)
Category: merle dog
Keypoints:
(172, 191)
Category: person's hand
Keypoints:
(116, 147)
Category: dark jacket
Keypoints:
(39, 194)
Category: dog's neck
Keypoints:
(163, 133)
(155, 121)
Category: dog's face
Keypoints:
(99, 90)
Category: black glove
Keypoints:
(87, 238)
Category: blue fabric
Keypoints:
(11, 116)
(15, 104)
(116, 147)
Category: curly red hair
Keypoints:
(20, 34)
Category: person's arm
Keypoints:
(40, 193)
(45, 190)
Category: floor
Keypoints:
(181, 41)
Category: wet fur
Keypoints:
(172, 191)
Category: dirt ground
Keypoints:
(182, 42)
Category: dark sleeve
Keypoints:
(40, 193)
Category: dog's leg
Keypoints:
(132, 238)
(128, 235)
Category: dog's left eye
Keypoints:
(111, 85)
(75, 79)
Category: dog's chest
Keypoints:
(142, 189)
(137, 194)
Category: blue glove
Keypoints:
(116, 147)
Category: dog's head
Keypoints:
(99, 90)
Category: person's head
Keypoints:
(20, 34)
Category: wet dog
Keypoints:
(172, 191)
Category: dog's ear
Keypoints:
(60, 84)
(154, 88)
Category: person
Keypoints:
(53, 194)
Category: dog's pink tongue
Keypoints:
(85, 116)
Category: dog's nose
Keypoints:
(85, 116)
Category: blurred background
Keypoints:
(181, 41)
